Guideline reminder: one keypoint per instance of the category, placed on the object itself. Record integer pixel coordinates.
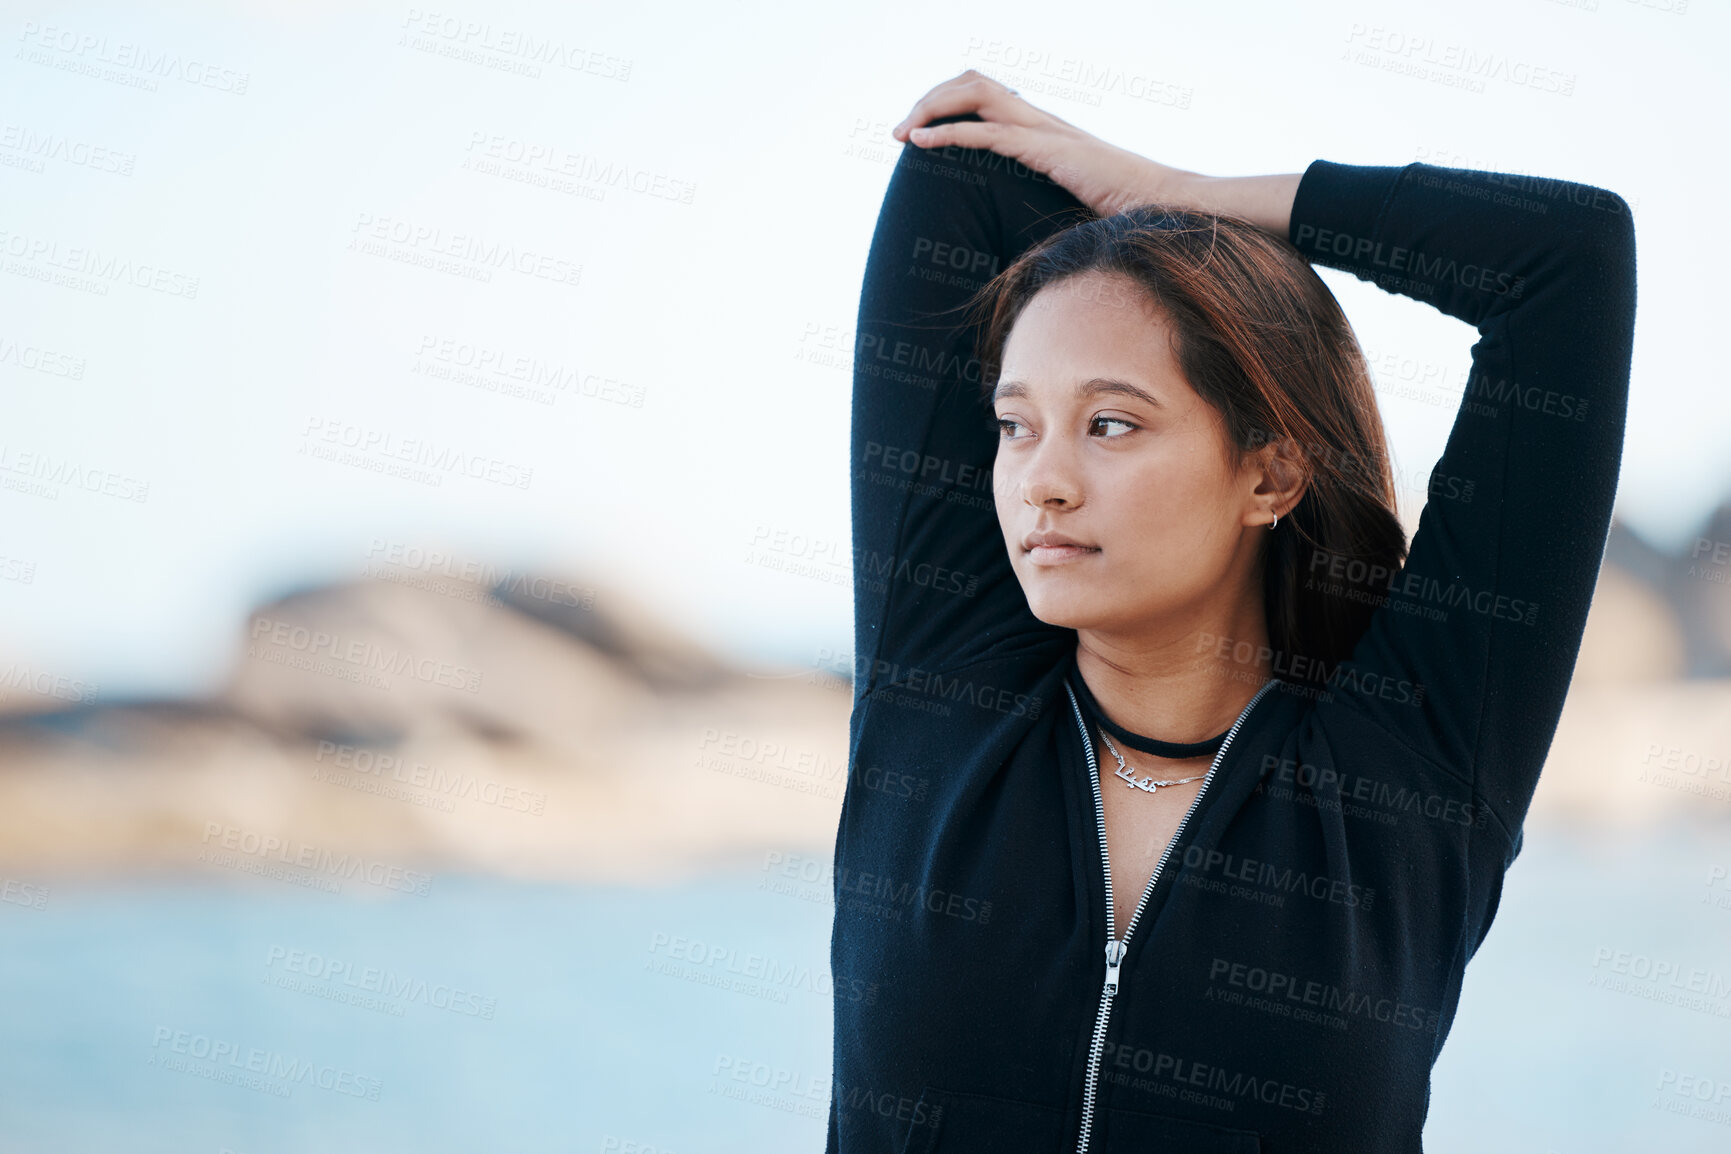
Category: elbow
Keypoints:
(1607, 235)
(1594, 248)
(1620, 227)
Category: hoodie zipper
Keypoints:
(1116, 946)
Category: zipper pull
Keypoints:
(1114, 957)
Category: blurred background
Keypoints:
(425, 571)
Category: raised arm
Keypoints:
(933, 586)
(1487, 613)
(1469, 657)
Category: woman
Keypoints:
(1180, 802)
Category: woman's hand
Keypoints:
(1104, 177)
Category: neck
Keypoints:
(1176, 686)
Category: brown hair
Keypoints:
(1260, 337)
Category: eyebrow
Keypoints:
(1089, 388)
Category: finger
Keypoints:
(992, 135)
(900, 130)
(970, 92)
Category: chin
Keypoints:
(1076, 605)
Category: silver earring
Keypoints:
(1274, 522)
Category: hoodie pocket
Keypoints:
(952, 1122)
(1137, 1131)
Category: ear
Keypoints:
(1280, 474)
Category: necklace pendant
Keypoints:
(1147, 783)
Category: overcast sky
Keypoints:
(237, 240)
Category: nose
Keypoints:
(1049, 476)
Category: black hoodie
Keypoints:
(1296, 964)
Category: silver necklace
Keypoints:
(1148, 783)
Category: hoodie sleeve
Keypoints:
(1483, 622)
(933, 586)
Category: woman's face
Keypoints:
(1102, 440)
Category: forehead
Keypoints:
(1084, 330)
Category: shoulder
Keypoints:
(986, 699)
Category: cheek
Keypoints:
(1172, 511)
(1163, 495)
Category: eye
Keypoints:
(1005, 424)
(1112, 421)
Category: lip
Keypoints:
(1058, 554)
(1051, 537)
(1049, 548)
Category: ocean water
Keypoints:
(489, 1015)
